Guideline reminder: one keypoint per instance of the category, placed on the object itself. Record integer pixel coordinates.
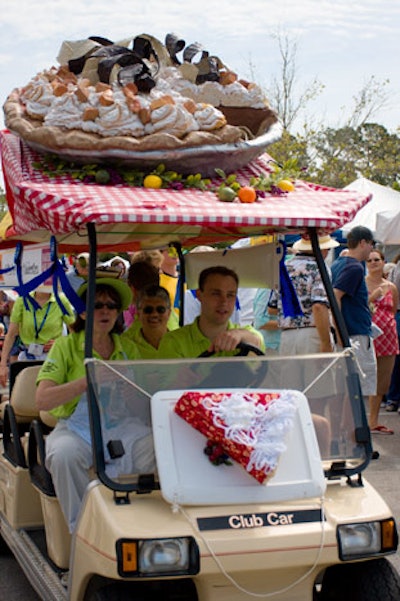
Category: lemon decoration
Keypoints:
(152, 181)
(285, 185)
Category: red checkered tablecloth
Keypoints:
(62, 205)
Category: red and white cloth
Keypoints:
(61, 205)
(250, 426)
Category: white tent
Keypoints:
(385, 201)
(388, 227)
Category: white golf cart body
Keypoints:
(191, 530)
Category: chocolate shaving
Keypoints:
(136, 74)
(106, 65)
(174, 45)
(76, 65)
(143, 48)
(138, 66)
(110, 51)
(208, 69)
(190, 52)
(100, 40)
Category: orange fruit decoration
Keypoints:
(247, 194)
(286, 185)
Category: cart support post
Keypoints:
(336, 312)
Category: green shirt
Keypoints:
(134, 334)
(49, 320)
(188, 341)
(65, 363)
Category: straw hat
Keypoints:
(325, 242)
(122, 289)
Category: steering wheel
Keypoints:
(244, 350)
(242, 374)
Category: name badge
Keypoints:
(35, 349)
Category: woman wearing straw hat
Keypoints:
(62, 389)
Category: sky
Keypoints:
(341, 43)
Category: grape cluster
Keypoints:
(216, 453)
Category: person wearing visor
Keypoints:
(62, 387)
(153, 307)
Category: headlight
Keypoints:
(366, 539)
(164, 555)
(158, 557)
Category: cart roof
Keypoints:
(132, 218)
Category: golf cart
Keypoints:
(303, 523)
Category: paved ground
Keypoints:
(384, 473)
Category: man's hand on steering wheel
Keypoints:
(226, 341)
(244, 350)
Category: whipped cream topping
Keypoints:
(38, 96)
(234, 94)
(113, 117)
(263, 428)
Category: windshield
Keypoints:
(122, 393)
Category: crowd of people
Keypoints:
(136, 316)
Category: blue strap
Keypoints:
(290, 303)
(59, 277)
(69, 292)
(57, 273)
(178, 292)
(39, 328)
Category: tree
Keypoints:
(372, 98)
(334, 157)
(283, 93)
(347, 153)
(290, 146)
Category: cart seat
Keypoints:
(20, 411)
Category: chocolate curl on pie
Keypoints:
(190, 52)
(143, 48)
(76, 65)
(138, 75)
(174, 45)
(208, 67)
(133, 69)
(100, 40)
(135, 66)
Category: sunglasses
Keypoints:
(110, 305)
(373, 260)
(148, 310)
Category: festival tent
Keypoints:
(388, 226)
(385, 201)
